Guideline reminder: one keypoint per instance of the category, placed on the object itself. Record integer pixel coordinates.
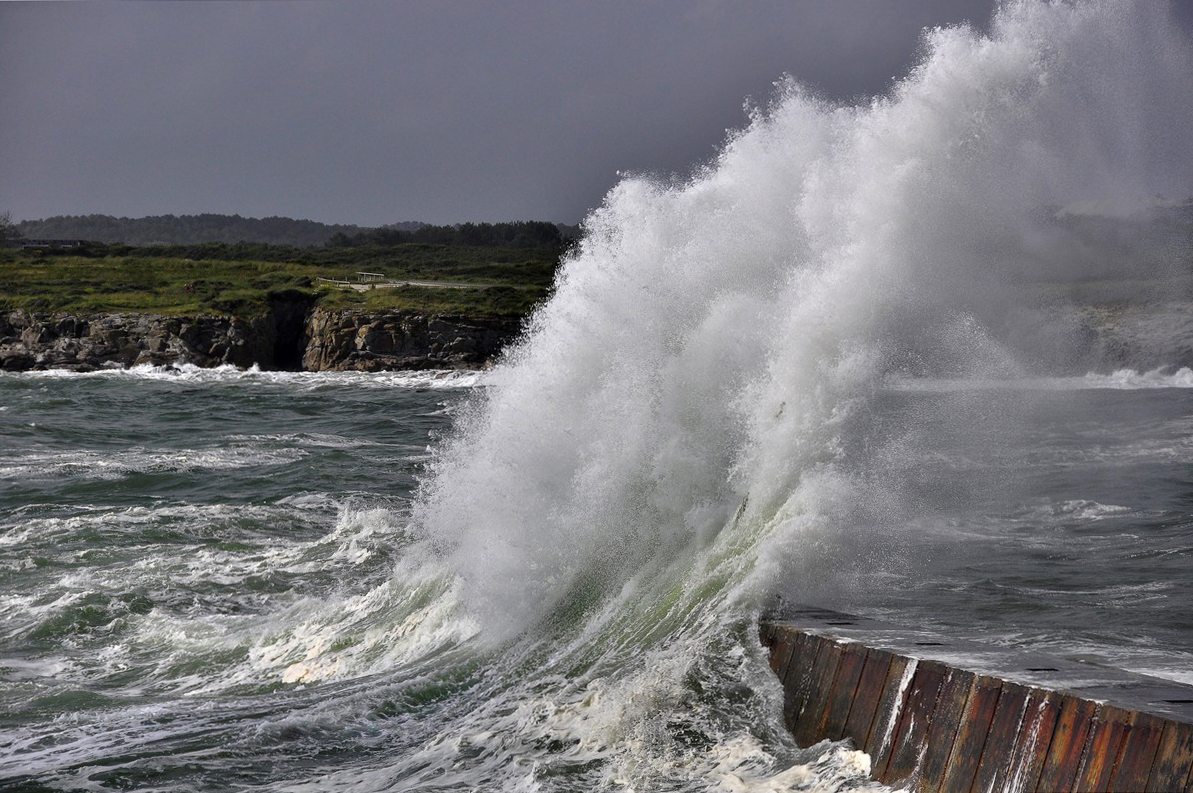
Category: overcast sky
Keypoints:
(372, 113)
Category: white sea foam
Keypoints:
(86, 464)
(199, 521)
(1182, 676)
(209, 608)
(1120, 380)
(1132, 380)
(671, 429)
(1078, 510)
(594, 542)
(430, 378)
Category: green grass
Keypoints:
(211, 281)
(495, 301)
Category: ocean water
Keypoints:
(209, 580)
(837, 364)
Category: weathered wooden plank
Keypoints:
(849, 672)
(1137, 754)
(1008, 719)
(890, 708)
(778, 654)
(907, 754)
(1174, 759)
(811, 717)
(788, 643)
(866, 699)
(1110, 727)
(1031, 745)
(782, 643)
(1068, 745)
(798, 647)
(962, 764)
(950, 707)
(798, 680)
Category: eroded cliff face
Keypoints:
(87, 342)
(350, 340)
(289, 337)
(1063, 338)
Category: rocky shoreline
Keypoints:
(291, 336)
(295, 335)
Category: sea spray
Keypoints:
(709, 342)
(728, 396)
(692, 392)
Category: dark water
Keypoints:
(171, 545)
(222, 580)
(208, 581)
(1049, 514)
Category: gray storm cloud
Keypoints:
(372, 113)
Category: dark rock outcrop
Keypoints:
(290, 337)
(349, 340)
(86, 342)
(1069, 338)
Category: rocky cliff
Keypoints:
(288, 337)
(350, 340)
(295, 336)
(86, 342)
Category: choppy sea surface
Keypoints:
(208, 581)
(1050, 514)
(847, 362)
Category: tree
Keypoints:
(8, 230)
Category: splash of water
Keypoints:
(671, 432)
(573, 604)
(576, 597)
(709, 343)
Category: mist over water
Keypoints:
(842, 362)
(712, 344)
(704, 381)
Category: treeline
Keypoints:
(187, 229)
(209, 228)
(518, 234)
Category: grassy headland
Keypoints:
(242, 279)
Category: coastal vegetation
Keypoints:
(242, 279)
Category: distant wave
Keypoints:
(1132, 380)
(428, 378)
(86, 464)
(1122, 380)
(1074, 509)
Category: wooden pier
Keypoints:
(936, 714)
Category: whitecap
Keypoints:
(186, 372)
